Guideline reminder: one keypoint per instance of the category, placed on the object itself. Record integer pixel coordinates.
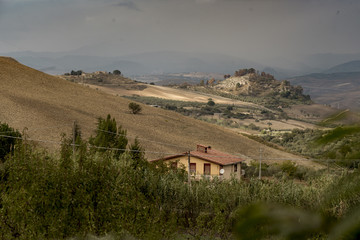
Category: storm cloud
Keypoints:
(259, 30)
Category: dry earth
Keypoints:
(316, 112)
(47, 106)
(173, 94)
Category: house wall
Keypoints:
(229, 171)
(183, 160)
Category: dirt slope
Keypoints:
(173, 94)
(48, 105)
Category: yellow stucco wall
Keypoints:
(229, 171)
(183, 160)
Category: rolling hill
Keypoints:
(48, 105)
(352, 66)
(340, 90)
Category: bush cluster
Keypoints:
(90, 189)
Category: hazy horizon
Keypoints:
(282, 33)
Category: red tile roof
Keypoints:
(208, 154)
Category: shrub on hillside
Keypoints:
(211, 103)
(116, 72)
(134, 108)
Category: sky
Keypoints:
(259, 30)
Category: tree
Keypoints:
(134, 108)
(137, 154)
(76, 73)
(109, 137)
(8, 139)
(210, 102)
(116, 72)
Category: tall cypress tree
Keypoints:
(109, 137)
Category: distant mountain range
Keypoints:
(138, 64)
(327, 86)
(165, 62)
(352, 66)
(340, 90)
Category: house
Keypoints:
(206, 161)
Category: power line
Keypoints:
(144, 139)
(29, 139)
(56, 126)
(177, 154)
(9, 132)
(91, 128)
(90, 146)
(41, 128)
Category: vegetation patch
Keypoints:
(97, 188)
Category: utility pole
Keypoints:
(260, 155)
(189, 176)
(25, 138)
(74, 139)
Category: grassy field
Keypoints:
(47, 106)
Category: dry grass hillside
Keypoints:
(48, 105)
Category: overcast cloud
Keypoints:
(260, 30)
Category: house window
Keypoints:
(193, 168)
(235, 167)
(207, 168)
(174, 165)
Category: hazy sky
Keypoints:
(251, 29)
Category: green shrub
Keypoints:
(134, 108)
(211, 103)
(289, 168)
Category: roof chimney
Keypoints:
(202, 148)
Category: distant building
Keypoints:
(206, 161)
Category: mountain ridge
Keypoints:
(351, 66)
(340, 89)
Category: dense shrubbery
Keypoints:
(99, 192)
(46, 197)
(339, 145)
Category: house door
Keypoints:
(207, 168)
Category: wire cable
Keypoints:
(143, 139)
(178, 154)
